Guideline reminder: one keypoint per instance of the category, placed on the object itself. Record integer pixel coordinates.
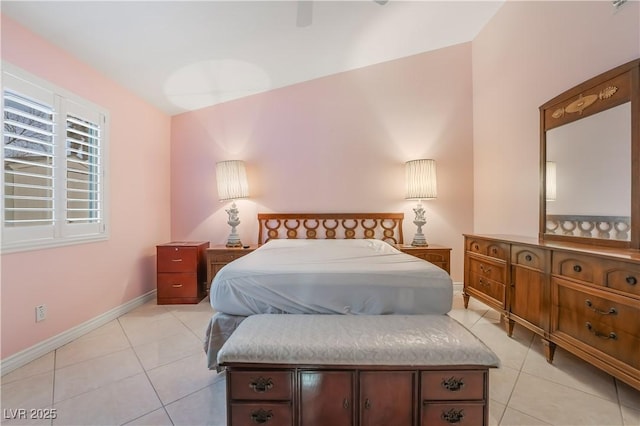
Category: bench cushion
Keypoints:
(420, 340)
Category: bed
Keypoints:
(325, 264)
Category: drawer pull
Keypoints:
(261, 384)
(482, 283)
(176, 260)
(261, 416)
(367, 403)
(494, 250)
(452, 384)
(476, 247)
(528, 258)
(612, 335)
(612, 311)
(485, 269)
(577, 268)
(345, 403)
(452, 416)
(631, 280)
(176, 285)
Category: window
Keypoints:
(54, 156)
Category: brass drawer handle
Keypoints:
(452, 416)
(261, 416)
(176, 260)
(261, 384)
(452, 384)
(612, 311)
(631, 280)
(612, 335)
(577, 268)
(528, 258)
(482, 283)
(485, 269)
(176, 285)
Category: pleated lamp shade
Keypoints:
(232, 180)
(421, 180)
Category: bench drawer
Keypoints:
(270, 414)
(261, 385)
(440, 414)
(452, 385)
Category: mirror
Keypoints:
(589, 161)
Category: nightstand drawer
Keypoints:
(177, 259)
(225, 257)
(468, 413)
(183, 284)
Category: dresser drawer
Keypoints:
(622, 276)
(488, 269)
(576, 266)
(603, 321)
(488, 248)
(489, 287)
(441, 414)
(266, 413)
(261, 385)
(528, 256)
(172, 285)
(177, 259)
(452, 385)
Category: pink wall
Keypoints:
(527, 54)
(335, 144)
(78, 283)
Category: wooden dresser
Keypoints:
(585, 299)
(181, 272)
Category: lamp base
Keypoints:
(419, 240)
(233, 244)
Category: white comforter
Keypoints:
(330, 277)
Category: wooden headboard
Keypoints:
(382, 226)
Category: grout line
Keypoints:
(144, 370)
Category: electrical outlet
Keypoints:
(41, 312)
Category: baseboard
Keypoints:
(25, 356)
(457, 287)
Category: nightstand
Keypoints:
(438, 255)
(220, 255)
(181, 269)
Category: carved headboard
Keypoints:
(382, 226)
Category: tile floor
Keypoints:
(148, 368)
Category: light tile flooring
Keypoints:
(148, 368)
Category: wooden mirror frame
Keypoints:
(607, 90)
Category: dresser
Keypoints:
(438, 255)
(585, 299)
(181, 272)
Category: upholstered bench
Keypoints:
(332, 370)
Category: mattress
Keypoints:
(359, 276)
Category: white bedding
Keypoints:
(330, 277)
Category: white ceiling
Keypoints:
(185, 55)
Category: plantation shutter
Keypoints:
(54, 189)
(29, 160)
(84, 182)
